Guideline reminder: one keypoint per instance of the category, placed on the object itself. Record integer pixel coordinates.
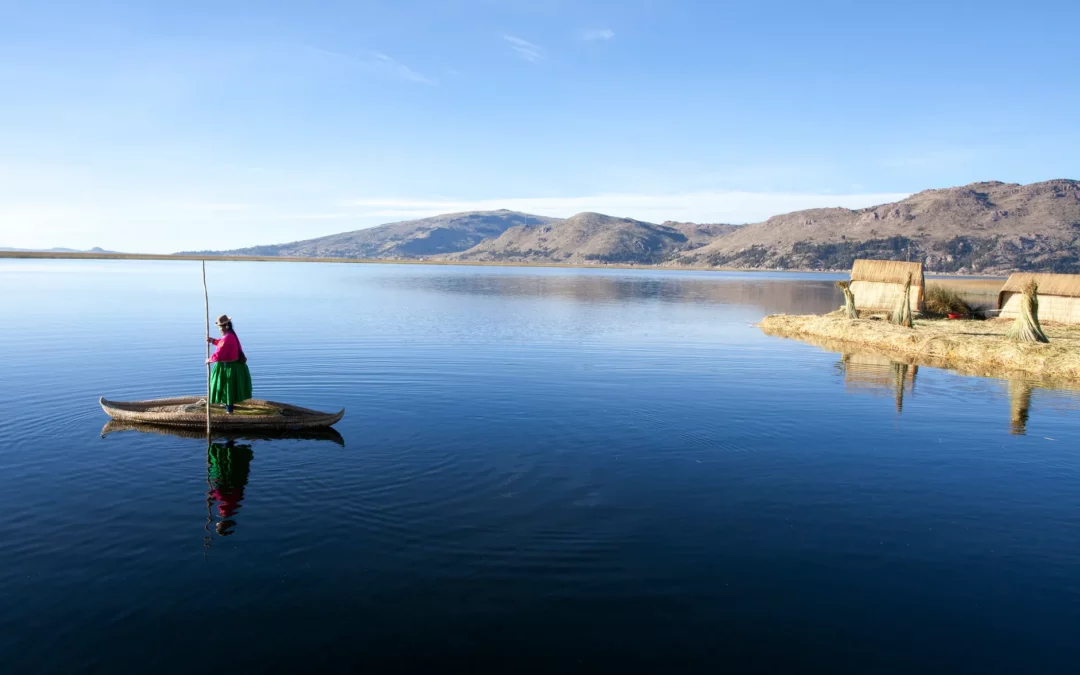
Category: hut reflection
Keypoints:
(1020, 403)
(874, 373)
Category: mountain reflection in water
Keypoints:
(812, 295)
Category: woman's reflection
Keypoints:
(227, 468)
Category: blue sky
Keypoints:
(158, 127)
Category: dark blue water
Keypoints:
(541, 471)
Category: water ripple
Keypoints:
(527, 453)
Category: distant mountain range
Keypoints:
(54, 250)
(408, 239)
(981, 228)
(508, 236)
(594, 238)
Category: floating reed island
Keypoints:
(912, 329)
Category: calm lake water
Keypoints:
(539, 470)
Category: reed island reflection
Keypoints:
(875, 373)
(879, 374)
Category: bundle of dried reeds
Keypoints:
(1027, 328)
(902, 315)
(849, 300)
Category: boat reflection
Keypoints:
(323, 434)
(228, 465)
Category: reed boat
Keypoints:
(190, 412)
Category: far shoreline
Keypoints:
(50, 255)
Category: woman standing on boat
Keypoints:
(230, 381)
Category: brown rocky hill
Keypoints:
(409, 239)
(988, 227)
(699, 234)
(592, 238)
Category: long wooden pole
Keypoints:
(206, 299)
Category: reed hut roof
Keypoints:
(887, 272)
(1067, 285)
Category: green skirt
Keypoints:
(230, 382)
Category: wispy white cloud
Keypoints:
(219, 207)
(312, 216)
(597, 34)
(702, 207)
(525, 49)
(376, 63)
(382, 64)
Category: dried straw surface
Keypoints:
(942, 300)
(970, 347)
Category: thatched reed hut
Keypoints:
(1059, 296)
(878, 285)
